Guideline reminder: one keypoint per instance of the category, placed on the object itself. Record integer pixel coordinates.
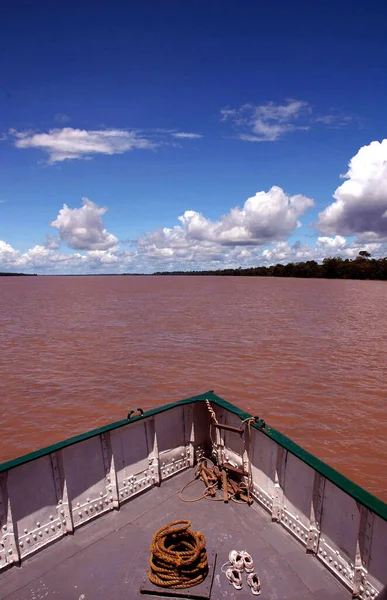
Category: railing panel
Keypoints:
(263, 457)
(376, 544)
(131, 451)
(298, 492)
(173, 439)
(85, 472)
(339, 533)
(35, 510)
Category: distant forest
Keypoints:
(361, 267)
(17, 274)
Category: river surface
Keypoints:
(309, 356)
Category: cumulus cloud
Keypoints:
(82, 228)
(68, 143)
(48, 260)
(360, 206)
(338, 246)
(182, 135)
(265, 217)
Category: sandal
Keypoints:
(248, 562)
(254, 583)
(236, 559)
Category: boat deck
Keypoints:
(107, 559)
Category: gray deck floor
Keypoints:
(107, 558)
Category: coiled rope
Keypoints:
(178, 556)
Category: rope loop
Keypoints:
(178, 556)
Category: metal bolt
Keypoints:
(28, 540)
(78, 504)
(38, 524)
(80, 514)
(64, 522)
(51, 518)
(87, 499)
(4, 528)
(21, 544)
(111, 498)
(53, 527)
(26, 531)
(34, 537)
(46, 530)
(101, 494)
(10, 551)
(40, 533)
(62, 512)
(95, 505)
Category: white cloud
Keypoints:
(181, 135)
(82, 228)
(265, 217)
(270, 122)
(69, 143)
(267, 122)
(360, 206)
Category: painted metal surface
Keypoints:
(49, 493)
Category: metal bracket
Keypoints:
(131, 412)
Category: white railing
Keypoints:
(46, 498)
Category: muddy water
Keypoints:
(309, 356)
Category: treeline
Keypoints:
(362, 267)
(17, 274)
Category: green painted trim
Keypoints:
(349, 487)
(11, 464)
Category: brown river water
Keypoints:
(309, 356)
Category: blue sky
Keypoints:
(166, 109)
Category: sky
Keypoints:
(176, 135)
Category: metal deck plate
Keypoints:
(202, 591)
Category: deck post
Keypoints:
(63, 506)
(189, 433)
(363, 546)
(9, 543)
(279, 480)
(153, 451)
(316, 508)
(110, 471)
